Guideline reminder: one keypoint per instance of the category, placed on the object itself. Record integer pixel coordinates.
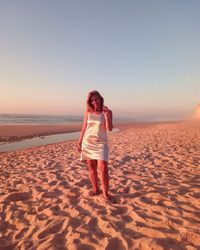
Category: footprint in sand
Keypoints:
(53, 228)
(20, 196)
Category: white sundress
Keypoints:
(95, 141)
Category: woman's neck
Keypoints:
(98, 110)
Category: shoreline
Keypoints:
(19, 132)
(16, 137)
(14, 133)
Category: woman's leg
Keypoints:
(92, 165)
(103, 167)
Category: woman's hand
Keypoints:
(108, 118)
(107, 111)
(79, 147)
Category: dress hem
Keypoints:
(84, 160)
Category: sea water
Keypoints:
(38, 119)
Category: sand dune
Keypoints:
(45, 200)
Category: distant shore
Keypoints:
(11, 133)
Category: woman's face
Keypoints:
(96, 102)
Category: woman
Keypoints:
(93, 142)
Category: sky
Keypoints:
(143, 56)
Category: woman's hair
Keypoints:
(90, 107)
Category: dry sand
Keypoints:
(45, 200)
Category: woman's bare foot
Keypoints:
(109, 198)
(94, 193)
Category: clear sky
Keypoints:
(143, 56)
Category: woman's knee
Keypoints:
(103, 166)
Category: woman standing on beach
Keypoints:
(93, 142)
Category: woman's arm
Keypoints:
(82, 131)
(108, 118)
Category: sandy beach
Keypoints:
(46, 203)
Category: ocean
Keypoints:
(68, 119)
(38, 119)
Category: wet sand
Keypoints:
(10, 133)
(45, 200)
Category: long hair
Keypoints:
(90, 107)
